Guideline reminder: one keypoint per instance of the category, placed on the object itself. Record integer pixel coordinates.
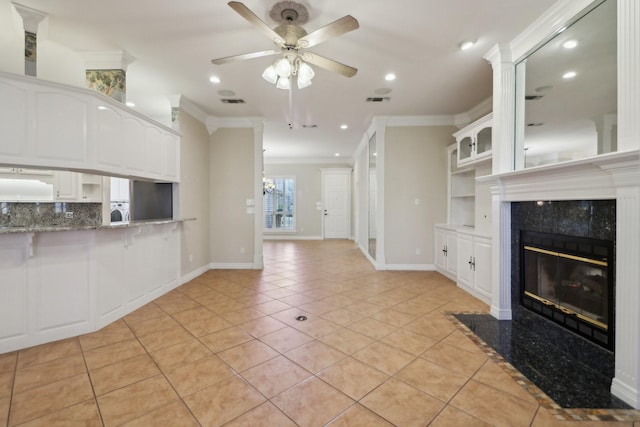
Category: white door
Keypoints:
(336, 201)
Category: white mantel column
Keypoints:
(503, 155)
(626, 383)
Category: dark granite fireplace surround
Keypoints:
(595, 219)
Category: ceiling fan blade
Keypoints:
(244, 56)
(336, 28)
(329, 64)
(247, 14)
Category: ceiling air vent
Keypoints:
(378, 99)
(232, 101)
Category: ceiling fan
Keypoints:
(291, 39)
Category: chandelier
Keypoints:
(268, 186)
(285, 69)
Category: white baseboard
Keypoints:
(231, 266)
(410, 267)
(500, 314)
(625, 393)
(285, 237)
(193, 274)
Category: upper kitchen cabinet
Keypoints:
(51, 125)
(474, 141)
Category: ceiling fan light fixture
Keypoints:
(283, 83)
(303, 83)
(283, 67)
(270, 74)
(305, 72)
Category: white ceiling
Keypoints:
(174, 41)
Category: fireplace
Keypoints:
(569, 280)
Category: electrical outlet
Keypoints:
(242, 250)
(190, 257)
(418, 251)
(68, 215)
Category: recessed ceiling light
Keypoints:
(382, 91)
(390, 77)
(468, 44)
(214, 79)
(569, 75)
(226, 92)
(570, 44)
(130, 104)
(343, 127)
(337, 154)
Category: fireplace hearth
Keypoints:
(569, 280)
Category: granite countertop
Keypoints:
(117, 225)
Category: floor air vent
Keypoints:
(379, 99)
(232, 101)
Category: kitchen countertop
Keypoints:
(118, 225)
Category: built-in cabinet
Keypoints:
(474, 141)
(474, 264)
(462, 247)
(56, 126)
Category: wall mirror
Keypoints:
(566, 92)
(373, 196)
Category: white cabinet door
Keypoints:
(474, 141)
(482, 261)
(13, 128)
(172, 157)
(154, 151)
(62, 285)
(440, 248)
(109, 138)
(65, 186)
(134, 143)
(61, 127)
(465, 260)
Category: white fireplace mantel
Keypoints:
(597, 177)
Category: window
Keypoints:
(279, 204)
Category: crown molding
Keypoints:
(188, 106)
(108, 60)
(30, 17)
(308, 161)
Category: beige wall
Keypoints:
(308, 193)
(194, 194)
(415, 168)
(231, 159)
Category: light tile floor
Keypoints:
(226, 349)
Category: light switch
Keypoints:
(251, 202)
(416, 201)
(251, 210)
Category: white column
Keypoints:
(626, 383)
(31, 18)
(503, 161)
(628, 75)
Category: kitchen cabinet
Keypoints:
(446, 250)
(52, 125)
(474, 265)
(90, 188)
(474, 141)
(65, 186)
(119, 189)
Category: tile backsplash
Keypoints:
(14, 214)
